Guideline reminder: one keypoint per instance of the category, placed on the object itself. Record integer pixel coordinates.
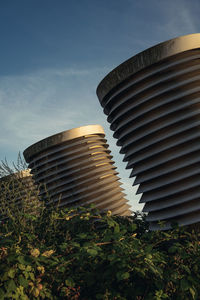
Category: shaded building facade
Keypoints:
(152, 102)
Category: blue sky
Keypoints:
(54, 53)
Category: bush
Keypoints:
(80, 254)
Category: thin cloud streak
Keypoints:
(180, 19)
(41, 104)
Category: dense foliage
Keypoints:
(80, 254)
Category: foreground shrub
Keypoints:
(80, 254)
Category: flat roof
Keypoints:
(60, 138)
(146, 58)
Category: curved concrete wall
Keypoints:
(153, 104)
(76, 168)
(18, 190)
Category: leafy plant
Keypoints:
(79, 253)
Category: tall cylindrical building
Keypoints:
(153, 104)
(76, 168)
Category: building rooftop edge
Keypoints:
(145, 59)
(61, 137)
(18, 174)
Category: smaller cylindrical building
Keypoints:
(74, 168)
(18, 193)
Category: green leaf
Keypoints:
(82, 235)
(110, 222)
(92, 252)
(26, 274)
(21, 267)
(10, 286)
(172, 249)
(70, 282)
(75, 244)
(28, 268)
(21, 260)
(148, 248)
(12, 258)
(11, 273)
(193, 293)
(125, 275)
(116, 228)
(160, 295)
(23, 281)
(111, 257)
(32, 276)
(186, 268)
(4, 277)
(122, 275)
(133, 227)
(61, 269)
(185, 285)
(2, 294)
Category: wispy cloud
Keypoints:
(180, 18)
(43, 103)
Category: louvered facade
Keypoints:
(153, 104)
(76, 168)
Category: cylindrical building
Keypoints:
(153, 104)
(76, 168)
(18, 193)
